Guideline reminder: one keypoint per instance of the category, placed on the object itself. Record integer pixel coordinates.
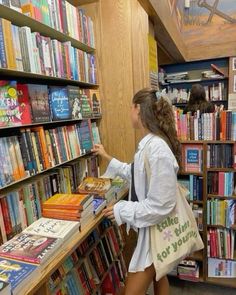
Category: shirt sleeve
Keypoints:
(117, 168)
(160, 201)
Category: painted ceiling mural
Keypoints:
(205, 20)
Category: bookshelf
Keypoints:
(217, 86)
(210, 230)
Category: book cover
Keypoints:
(24, 103)
(67, 201)
(85, 135)
(10, 114)
(29, 248)
(85, 104)
(98, 205)
(74, 101)
(94, 185)
(96, 101)
(39, 102)
(59, 103)
(5, 288)
(192, 158)
(15, 272)
(52, 228)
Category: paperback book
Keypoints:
(53, 228)
(29, 248)
(94, 185)
(59, 103)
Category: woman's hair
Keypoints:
(197, 101)
(157, 116)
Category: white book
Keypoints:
(53, 228)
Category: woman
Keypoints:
(149, 203)
(197, 101)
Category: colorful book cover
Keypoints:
(39, 102)
(74, 100)
(85, 136)
(94, 185)
(15, 272)
(10, 114)
(52, 228)
(24, 103)
(29, 248)
(96, 102)
(67, 201)
(98, 205)
(59, 103)
(192, 158)
(85, 104)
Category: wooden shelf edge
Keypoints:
(81, 2)
(227, 282)
(22, 74)
(20, 19)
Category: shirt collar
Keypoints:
(144, 141)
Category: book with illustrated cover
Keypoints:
(10, 114)
(67, 201)
(53, 228)
(24, 103)
(94, 185)
(96, 102)
(85, 104)
(59, 103)
(85, 135)
(39, 102)
(74, 101)
(15, 273)
(98, 205)
(29, 248)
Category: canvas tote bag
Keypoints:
(176, 236)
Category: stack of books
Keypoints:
(188, 270)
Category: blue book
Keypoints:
(98, 205)
(15, 272)
(59, 103)
(85, 136)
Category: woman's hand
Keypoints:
(98, 149)
(109, 213)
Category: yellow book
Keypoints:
(10, 53)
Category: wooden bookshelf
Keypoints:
(220, 169)
(210, 196)
(13, 74)
(59, 256)
(188, 173)
(21, 20)
(81, 2)
(227, 282)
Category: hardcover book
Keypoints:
(85, 136)
(10, 114)
(59, 103)
(24, 103)
(96, 102)
(53, 228)
(29, 248)
(39, 102)
(15, 272)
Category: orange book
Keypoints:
(63, 217)
(10, 52)
(42, 138)
(62, 212)
(94, 185)
(28, 9)
(67, 201)
(223, 125)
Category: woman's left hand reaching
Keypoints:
(109, 213)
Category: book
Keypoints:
(10, 114)
(220, 268)
(24, 103)
(52, 228)
(192, 157)
(15, 273)
(59, 103)
(98, 205)
(85, 135)
(39, 102)
(94, 185)
(96, 102)
(29, 248)
(67, 201)
(74, 101)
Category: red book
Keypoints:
(24, 103)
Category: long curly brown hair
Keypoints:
(157, 116)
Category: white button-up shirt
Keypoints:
(156, 199)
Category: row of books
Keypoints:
(38, 149)
(58, 15)
(194, 184)
(95, 255)
(220, 268)
(207, 126)
(32, 103)
(23, 205)
(221, 212)
(214, 92)
(220, 156)
(23, 50)
(221, 243)
(198, 214)
(220, 183)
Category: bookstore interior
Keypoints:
(68, 72)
